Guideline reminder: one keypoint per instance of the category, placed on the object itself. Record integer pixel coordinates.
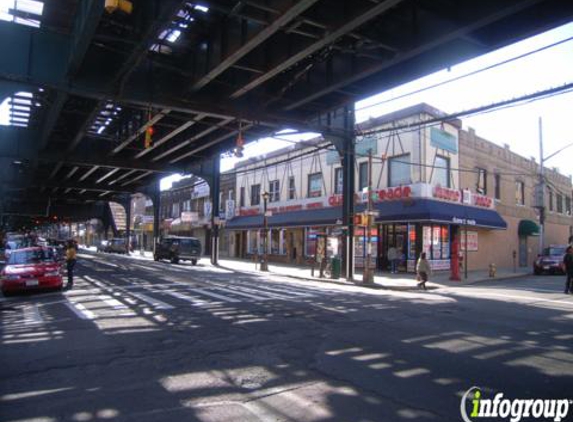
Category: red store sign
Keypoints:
(377, 196)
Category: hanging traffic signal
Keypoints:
(240, 144)
(149, 137)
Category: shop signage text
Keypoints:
(465, 197)
(380, 195)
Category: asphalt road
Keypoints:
(137, 340)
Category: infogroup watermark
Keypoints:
(514, 410)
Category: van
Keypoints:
(177, 248)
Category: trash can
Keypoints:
(335, 265)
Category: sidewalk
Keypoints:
(402, 281)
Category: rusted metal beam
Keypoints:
(344, 29)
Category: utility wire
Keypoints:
(475, 72)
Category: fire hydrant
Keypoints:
(492, 269)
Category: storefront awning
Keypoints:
(427, 210)
(415, 210)
(317, 217)
(528, 228)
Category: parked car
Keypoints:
(175, 249)
(31, 269)
(102, 247)
(550, 260)
(115, 245)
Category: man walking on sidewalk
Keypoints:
(70, 263)
(568, 269)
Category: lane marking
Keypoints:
(156, 303)
(216, 296)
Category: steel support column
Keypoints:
(215, 190)
(348, 187)
(155, 195)
(342, 136)
(127, 205)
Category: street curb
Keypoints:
(374, 286)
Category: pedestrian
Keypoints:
(70, 263)
(423, 270)
(393, 258)
(568, 269)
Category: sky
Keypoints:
(516, 126)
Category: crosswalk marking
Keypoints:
(216, 295)
(242, 293)
(32, 315)
(80, 310)
(268, 294)
(186, 298)
(282, 291)
(156, 303)
(114, 303)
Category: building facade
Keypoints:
(512, 181)
(422, 201)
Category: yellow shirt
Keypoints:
(70, 254)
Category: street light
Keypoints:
(264, 264)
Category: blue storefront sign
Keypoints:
(443, 140)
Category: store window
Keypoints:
(436, 241)
(310, 242)
(519, 192)
(242, 197)
(291, 188)
(315, 185)
(274, 191)
(255, 194)
(253, 241)
(481, 183)
(559, 199)
(338, 181)
(399, 170)
(276, 242)
(362, 176)
(497, 187)
(442, 171)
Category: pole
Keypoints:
(466, 248)
(368, 276)
(264, 265)
(541, 189)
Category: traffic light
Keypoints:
(239, 145)
(360, 220)
(149, 137)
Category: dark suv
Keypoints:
(550, 260)
(175, 249)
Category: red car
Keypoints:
(31, 269)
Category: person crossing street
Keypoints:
(70, 263)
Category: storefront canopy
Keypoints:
(415, 210)
(427, 210)
(528, 228)
(317, 217)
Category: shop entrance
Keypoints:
(396, 236)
